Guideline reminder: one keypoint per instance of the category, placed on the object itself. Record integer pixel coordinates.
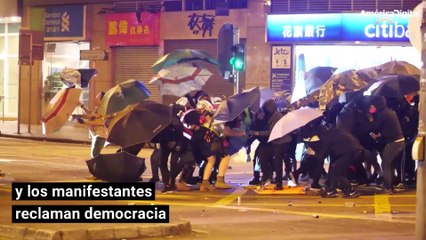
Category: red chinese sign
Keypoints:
(124, 29)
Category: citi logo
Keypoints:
(386, 28)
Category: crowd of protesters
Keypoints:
(366, 141)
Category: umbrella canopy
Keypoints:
(60, 109)
(140, 123)
(70, 77)
(293, 120)
(316, 77)
(394, 85)
(122, 95)
(182, 55)
(86, 75)
(311, 100)
(282, 98)
(233, 106)
(180, 79)
(117, 167)
(346, 81)
(398, 67)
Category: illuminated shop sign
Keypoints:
(338, 27)
(64, 22)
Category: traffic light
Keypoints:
(238, 60)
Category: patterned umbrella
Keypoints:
(180, 79)
(346, 81)
(60, 109)
(182, 55)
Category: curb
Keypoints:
(135, 232)
(61, 140)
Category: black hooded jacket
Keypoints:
(334, 142)
(385, 121)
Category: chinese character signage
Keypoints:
(65, 22)
(281, 67)
(124, 29)
(201, 24)
(338, 27)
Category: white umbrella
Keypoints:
(60, 109)
(293, 120)
(180, 79)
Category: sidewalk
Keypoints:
(73, 133)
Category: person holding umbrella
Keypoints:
(96, 124)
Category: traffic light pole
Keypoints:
(421, 168)
(235, 73)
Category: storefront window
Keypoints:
(235, 4)
(14, 27)
(191, 5)
(171, 6)
(9, 68)
(58, 56)
(13, 42)
(210, 4)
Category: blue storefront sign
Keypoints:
(338, 27)
(281, 67)
(65, 22)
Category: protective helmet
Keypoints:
(206, 105)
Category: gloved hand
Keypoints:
(80, 120)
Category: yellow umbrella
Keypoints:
(60, 109)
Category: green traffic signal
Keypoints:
(237, 63)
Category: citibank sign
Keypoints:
(385, 28)
(337, 27)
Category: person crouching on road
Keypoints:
(206, 144)
(343, 149)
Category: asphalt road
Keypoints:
(217, 214)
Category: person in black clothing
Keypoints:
(343, 149)
(386, 127)
(206, 145)
(407, 111)
(354, 117)
(280, 146)
(263, 155)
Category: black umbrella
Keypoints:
(316, 77)
(394, 85)
(117, 167)
(86, 75)
(140, 123)
(236, 104)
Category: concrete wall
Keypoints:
(258, 51)
(8, 8)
